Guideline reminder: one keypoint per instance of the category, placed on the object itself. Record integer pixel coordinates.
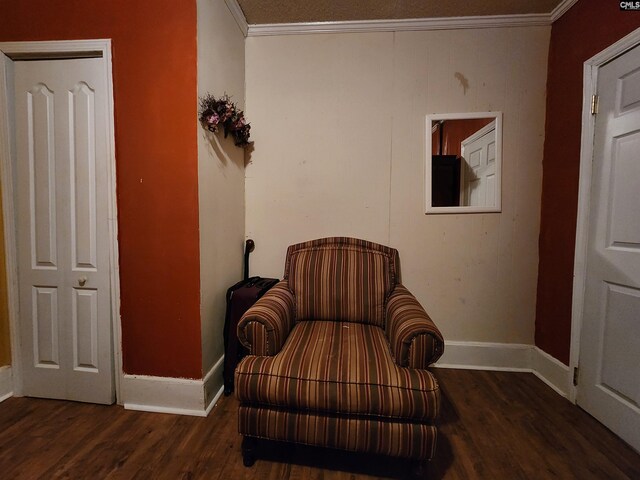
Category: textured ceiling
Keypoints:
(294, 11)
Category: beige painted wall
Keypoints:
(220, 174)
(339, 128)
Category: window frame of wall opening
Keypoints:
(429, 119)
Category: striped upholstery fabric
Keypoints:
(415, 340)
(265, 326)
(341, 279)
(395, 439)
(339, 355)
(339, 367)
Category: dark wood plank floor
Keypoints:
(493, 425)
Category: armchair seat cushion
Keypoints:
(338, 367)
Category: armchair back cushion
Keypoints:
(341, 279)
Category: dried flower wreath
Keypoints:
(214, 112)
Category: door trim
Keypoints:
(9, 234)
(590, 83)
(56, 50)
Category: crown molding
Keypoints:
(238, 15)
(400, 25)
(561, 9)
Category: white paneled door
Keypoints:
(478, 172)
(63, 236)
(609, 381)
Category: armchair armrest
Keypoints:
(415, 340)
(265, 326)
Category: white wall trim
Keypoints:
(238, 14)
(398, 25)
(590, 84)
(508, 357)
(213, 384)
(561, 9)
(486, 356)
(163, 395)
(114, 261)
(54, 48)
(6, 383)
(179, 396)
(58, 49)
(9, 234)
(551, 371)
(401, 25)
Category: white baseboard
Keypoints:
(510, 357)
(6, 383)
(173, 395)
(551, 371)
(213, 385)
(486, 356)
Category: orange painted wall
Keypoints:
(155, 90)
(586, 29)
(455, 131)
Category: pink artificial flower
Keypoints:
(228, 111)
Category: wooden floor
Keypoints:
(493, 425)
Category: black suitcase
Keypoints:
(240, 297)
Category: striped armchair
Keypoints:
(338, 356)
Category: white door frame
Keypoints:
(56, 50)
(590, 84)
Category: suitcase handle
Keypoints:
(249, 246)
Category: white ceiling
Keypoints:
(294, 11)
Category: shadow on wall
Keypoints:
(226, 151)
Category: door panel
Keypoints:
(64, 278)
(609, 384)
(45, 327)
(83, 184)
(42, 170)
(624, 224)
(629, 92)
(620, 357)
(85, 329)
